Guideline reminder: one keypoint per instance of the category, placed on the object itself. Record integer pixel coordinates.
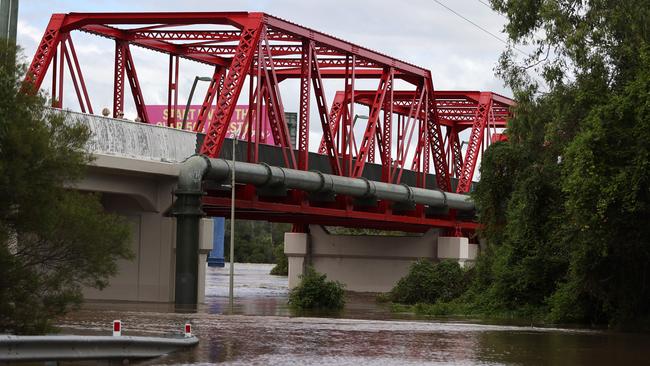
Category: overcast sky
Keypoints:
(422, 32)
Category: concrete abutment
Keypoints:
(369, 263)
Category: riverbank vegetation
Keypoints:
(566, 201)
(315, 292)
(53, 240)
(429, 282)
(258, 242)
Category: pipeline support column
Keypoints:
(188, 213)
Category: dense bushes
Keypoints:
(315, 292)
(427, 282)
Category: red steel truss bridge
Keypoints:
(409, 124)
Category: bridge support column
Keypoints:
(296, 247)
(364, 263)
(450, 247)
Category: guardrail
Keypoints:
(74, 347)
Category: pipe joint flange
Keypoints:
(326, 183)
(269, 174)
(410, 196)
(207, 160)
(371, 188)
(444, 197)
(277, 178)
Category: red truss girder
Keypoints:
(456, 111)
(267, 50)
(474, 143)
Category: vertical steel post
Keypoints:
(54, 78)
(172, 91)
(249, 116)
(305, 95)
(231, 292)
(387, 143)
(118, 80)
(59, 102)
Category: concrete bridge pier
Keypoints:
(369, 263)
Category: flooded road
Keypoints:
(262, 332)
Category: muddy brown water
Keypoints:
(263, 331)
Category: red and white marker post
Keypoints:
(188, 330)
(117, 328)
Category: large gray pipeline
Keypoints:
(316, 182)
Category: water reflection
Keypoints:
(360, 337)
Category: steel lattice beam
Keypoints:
(474, 144)
(232, 87)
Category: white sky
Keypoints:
(421, 32)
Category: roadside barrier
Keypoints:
(73, 347)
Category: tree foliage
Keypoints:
(566, 201)
(53, 240)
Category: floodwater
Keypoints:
(262, 331)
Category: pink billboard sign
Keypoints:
(237, 128)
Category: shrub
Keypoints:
(315, 292)
(427, 282)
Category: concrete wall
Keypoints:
(141, 191)
(365, 263)
(368, 263)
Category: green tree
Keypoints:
(53, 240)
(565, 202)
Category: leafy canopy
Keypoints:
(53, 240)
(566, 201)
